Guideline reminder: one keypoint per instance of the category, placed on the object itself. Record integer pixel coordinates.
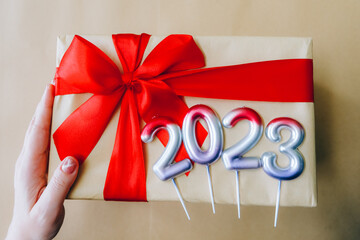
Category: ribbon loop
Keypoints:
(130, 49)
(84, 68)
(174, 53)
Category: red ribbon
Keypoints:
(152, 89)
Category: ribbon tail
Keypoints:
(126, 177)
(288, 80)
(80, 132)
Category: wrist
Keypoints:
(15, 232)
(12, 233)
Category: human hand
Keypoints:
(39, 206)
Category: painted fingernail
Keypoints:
(69, 165)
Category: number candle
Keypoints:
(289, 148)
(233, 156)
(196, 154)
(164, 168)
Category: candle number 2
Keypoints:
(164, 168)
(233, 156)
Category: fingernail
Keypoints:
(69, 165)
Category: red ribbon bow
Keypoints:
(152, 89)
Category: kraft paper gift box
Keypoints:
(256, 187)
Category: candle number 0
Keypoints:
(209, 156)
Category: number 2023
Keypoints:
(233, 156)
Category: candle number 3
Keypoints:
(289, 148)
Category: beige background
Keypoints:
(28, 31)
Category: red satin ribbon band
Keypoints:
(152, 89)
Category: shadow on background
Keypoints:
(338, 202)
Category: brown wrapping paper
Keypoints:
(256, 187)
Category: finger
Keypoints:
(55, 193)
(34, 155)
(37, 137)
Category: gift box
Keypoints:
(99, 120)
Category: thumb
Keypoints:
(60, 184)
